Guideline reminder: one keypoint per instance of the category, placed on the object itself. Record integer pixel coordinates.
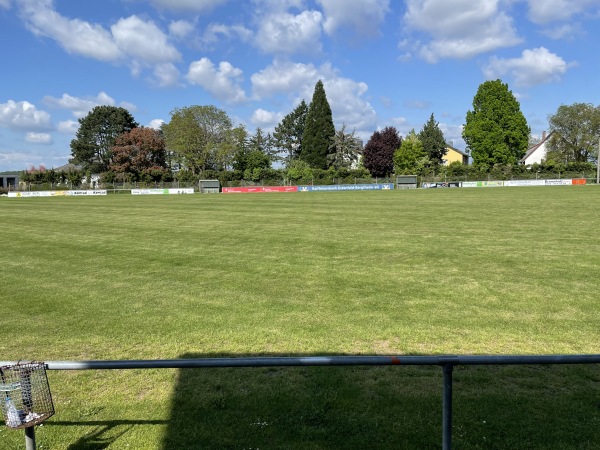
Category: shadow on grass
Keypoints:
(105, 434)
(383, 407)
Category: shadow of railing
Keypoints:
(383, 402)
(383, 407)
(303, 407)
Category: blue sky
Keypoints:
(382, 62)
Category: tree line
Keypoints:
(199, 141)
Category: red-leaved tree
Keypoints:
(378, 154)
(139, 155)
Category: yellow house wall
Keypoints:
(453, 156)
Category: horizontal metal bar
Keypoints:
(319, 361)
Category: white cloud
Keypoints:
(546, 11)
(348, 105)
(166, 75)
(536, 66)
(5, 4)
(74, 35)
(155, 124)
(263, 7)
(297, 80)
(453, 134)
(143, 41)
(181, 29)
(132, 40)
(79, 106)
(68, 127)
(38, 138)
(265, 119)
(364, 16)
(215, 31)
(222, 82)
(285, 77)
(197, 6)
(23, 116)
(285, 33)
(566, 31)
(459, 28)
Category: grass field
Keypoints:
(465, 271)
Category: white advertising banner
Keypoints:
(91, 192)
(568, 182)
(162, 191)
(56, 193)
(525, 183)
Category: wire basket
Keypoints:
(25, 397)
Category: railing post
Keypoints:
(30, 438)
(447, 407)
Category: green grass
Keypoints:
(466, 271)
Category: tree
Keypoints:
(378, 155)
(139, 155)
(434, 143)
(91, 148)
(254, 155)
(287, 136)
(344, 149)
(411, 157)
(263, 143)
(576, 130)
(197, 135)
(496, 131)
(318, 130)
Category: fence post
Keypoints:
(447, 407)
(30, 438)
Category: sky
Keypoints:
(382, 62)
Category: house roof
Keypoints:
(449, 147)
(531, 150)
(68, 168)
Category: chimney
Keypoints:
(544, 135)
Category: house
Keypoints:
(454, 155)
(8, 180)
(537, 153)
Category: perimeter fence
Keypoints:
(446, 362)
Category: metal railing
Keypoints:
(446, 362)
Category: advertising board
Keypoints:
(568, 182)
(437, 185)
(258, 189)
(56, 193)
(525, 183)
(348, 187)
(162, 191)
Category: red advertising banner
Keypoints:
(579, 180)
(254, 189)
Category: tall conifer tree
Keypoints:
(318, 130)
(434, 143)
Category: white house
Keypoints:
(537, 153)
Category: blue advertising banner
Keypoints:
(348, 187)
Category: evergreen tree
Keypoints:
(378, 155)
(434, 143)
(287, 136)
(263, 144)
(96, 135)
(318, 131)
(496, 131)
